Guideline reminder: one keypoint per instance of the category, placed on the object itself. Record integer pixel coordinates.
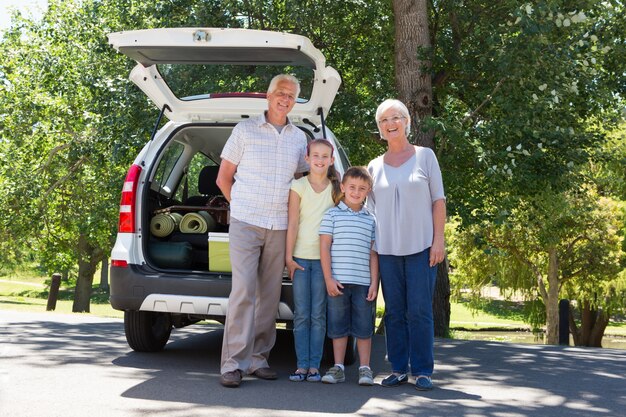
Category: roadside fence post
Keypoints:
(54, 292)
(564, 322)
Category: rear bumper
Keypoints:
(141, 288)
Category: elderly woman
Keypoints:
(409, 203)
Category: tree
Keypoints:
(519, 90)
(599, 296)
(413, 67)
(58, 112)
(515, 89)
(518, 93)
(552, 244)
(71, 121)
(71, 124)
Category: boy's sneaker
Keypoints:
(394, 380)
(366, 376)
(423, 383)
(334, 375)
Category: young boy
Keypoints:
(350, 268)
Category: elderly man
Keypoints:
(259, 161)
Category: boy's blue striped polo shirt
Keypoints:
(352, 233)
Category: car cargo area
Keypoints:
(183, 205)
(184, 211)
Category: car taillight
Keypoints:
(127, 203)
(119, 263)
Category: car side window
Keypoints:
(198, 162)
(161, 180)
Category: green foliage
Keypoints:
(356, 37)
(59, 123)
(584, 231)
(516, 86)
(608, 167)
(527, 107)
(72, 123)
(602, 270)
(525, 96)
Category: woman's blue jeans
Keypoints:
(408, 284)
(309, 324)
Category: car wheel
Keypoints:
(147, 331)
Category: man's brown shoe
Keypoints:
(231, 379)
(265, 373)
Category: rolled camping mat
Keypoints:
(200, 222)
(164, 224)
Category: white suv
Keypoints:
(204, 80)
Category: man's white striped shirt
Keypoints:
(266, 163)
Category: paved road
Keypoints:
(80, 366)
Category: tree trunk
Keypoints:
(552, 302)
(413, 65)
(441, 302)
(587, 320)
(88, 259)
(602, 320)
(414, 85)
(573, 328)
(592, 327)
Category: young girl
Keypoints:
(309, 199)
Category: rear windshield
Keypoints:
(200, 82)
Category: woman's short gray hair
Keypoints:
(392, 103)
(284, 77)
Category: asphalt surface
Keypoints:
(77, 365)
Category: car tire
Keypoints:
(147, 331)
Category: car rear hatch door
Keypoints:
(221, 75)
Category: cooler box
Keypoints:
(219, 255)
(177, 255)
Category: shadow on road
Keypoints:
(189, 367)
(493, 379)
(472, 377)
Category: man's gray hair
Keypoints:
(284, 77)
(392, 103)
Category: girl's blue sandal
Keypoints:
(297, 377)
(313, 377)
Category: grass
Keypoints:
(23, 292)
(493, 315)
(616, 329)
(63, 306)
(497, 315)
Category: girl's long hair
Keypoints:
(333, 176)
(332, 173)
